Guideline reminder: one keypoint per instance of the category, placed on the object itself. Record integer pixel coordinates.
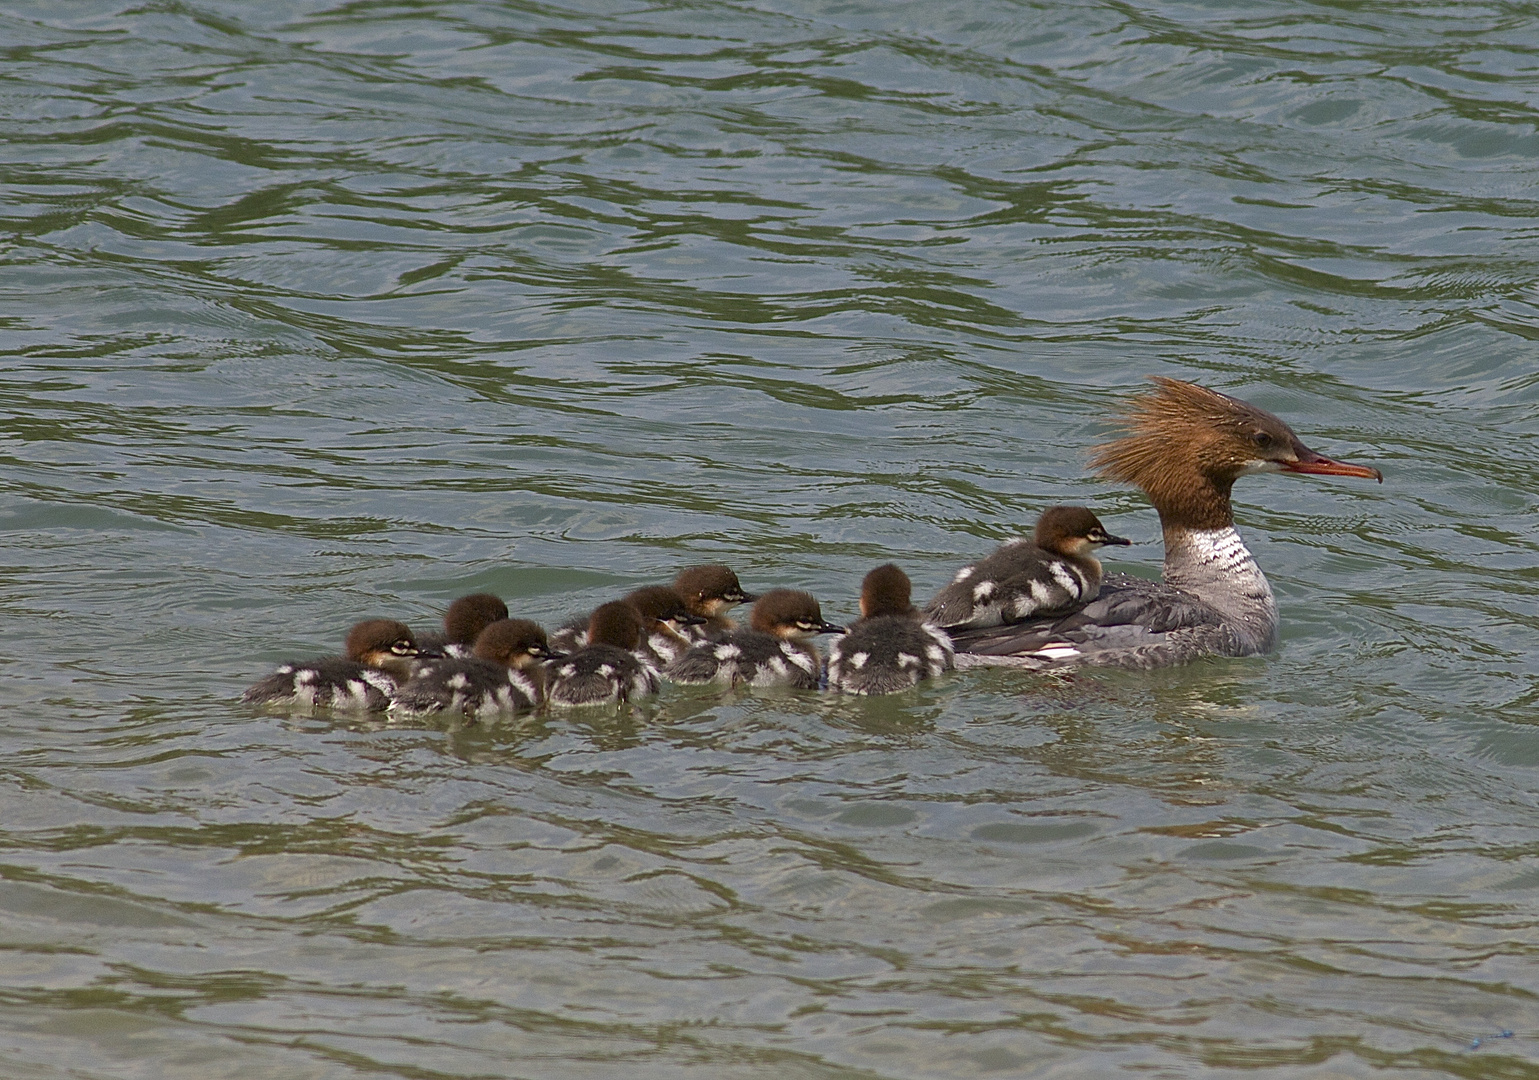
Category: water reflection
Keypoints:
(314, 314)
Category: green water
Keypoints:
(309, 314)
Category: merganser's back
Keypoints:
(1185, 446)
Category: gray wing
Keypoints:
(1133, 623)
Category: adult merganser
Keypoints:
(710, 592)
(1052, 573)
(773, 650)
(503, 675)
(889, 648)
(463, 622)
(1185, 446)
(607, 669)
(380, 653)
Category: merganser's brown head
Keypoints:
(790, 614)
(469, 615)
(1072, 531)
(616, 623)
(384, 644)
(1186, 445)
(661, 604)
(886, 591)
(514, 643)
(710, 591)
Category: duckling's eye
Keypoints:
(403, 648)
(1261, 439)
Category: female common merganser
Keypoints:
(1185, 446)
(710, 592)
(463, 622)
(772, 651)
(888, 648)
(380, 653)
(1053, 573)
(607, 669)
(503, 675)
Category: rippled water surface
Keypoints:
(312, 313)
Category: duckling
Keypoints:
(710, 592)
(773, 650)
(1053, 573)
(463, 622)
(503, 675)
(379, 653)
(889, 648)
(664, 618)
(665, 621)
(607, 669)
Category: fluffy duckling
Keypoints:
(888, 648)
(710, 592)
(379, 653)
(774, 650)
(463, 622)
(664, 619)
(1053, 573)
(607, 669)
(503, 675)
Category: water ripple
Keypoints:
(313, 312)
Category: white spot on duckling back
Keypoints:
(983, 590)
(1069, 582)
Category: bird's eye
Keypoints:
(1261, 439)
(403, 648)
